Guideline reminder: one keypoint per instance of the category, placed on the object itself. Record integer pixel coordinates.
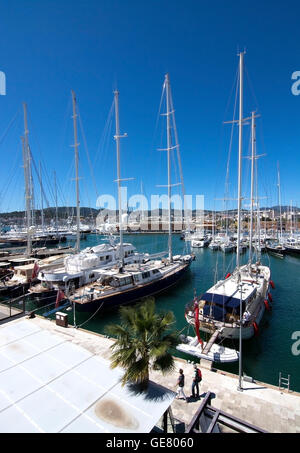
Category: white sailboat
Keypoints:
(128, 283)
(235, 305)
(84, 266)
(199, 239)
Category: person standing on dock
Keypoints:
(180, 385)
(195, 385)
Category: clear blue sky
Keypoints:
(49, 47)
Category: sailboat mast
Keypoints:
(279, 201)
(117, 138)
(253, 139)
(76, 174)
(42, 204)
(26, 174)
(169, 144)
(240, 159)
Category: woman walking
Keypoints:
(180, 385)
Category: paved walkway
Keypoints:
(259, 404)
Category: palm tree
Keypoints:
(143, 341)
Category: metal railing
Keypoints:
(12, 307)
(208, 419)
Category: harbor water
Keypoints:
(265, 355)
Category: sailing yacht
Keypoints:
(199, 239)
(83, 267)
(226, 245)
(214, 243)
(234, 306)
(276, 247)
(126, 283)
(24, 270)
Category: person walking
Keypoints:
(196, 379)
(180, 385)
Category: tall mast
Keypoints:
(279, 201)
(258, 231)
(26, 174)
(76, 174)
(253, 139)
(186, 224)
(169, 144)
(239, 211)
(117, 138)
(42, 204)
(240, 159)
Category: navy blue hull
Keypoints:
(133, 294)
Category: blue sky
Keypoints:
(93, 47)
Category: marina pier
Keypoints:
(38, 374)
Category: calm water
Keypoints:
(264, 356)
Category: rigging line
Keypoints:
(251, 86)
(230, 143)
(38, 175)
(9, 126)
(60, 193)
(222, 124)
(177, 145)
(150, 155)
(87, 151)
(104, 137)
(12, 172)
(235, 82)
(94, 314)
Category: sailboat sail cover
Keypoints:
(219, 299)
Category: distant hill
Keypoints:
(49, 213)
(65, 212)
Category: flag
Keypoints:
(35, 271)
(60, 296)
(197, 324)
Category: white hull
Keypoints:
(217, 353)
(255, 307)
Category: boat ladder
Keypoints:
(284, 382)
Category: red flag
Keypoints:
(35, 271)
(197, 324)
(60, 296)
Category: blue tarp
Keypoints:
(223, 301)
(215, 312)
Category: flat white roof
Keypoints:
(49, 384)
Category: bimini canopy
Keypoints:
(222, 300)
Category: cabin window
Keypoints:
(92, 275)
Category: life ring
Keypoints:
(272, 284)
(267, 305)
(270, 297)
(228, 275)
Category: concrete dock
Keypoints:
(260, 404)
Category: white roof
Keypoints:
(231, 289)
(49, 384)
